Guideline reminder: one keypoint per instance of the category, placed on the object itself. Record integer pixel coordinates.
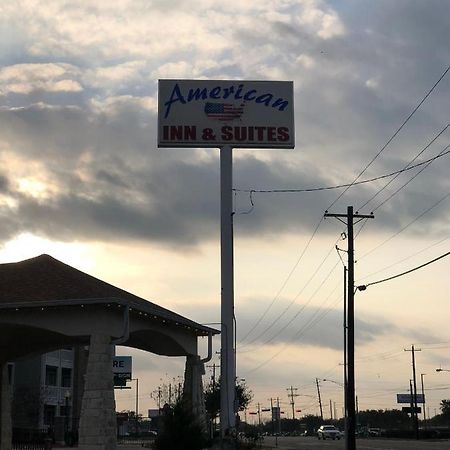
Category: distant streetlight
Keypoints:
(335, 382)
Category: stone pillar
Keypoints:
(193, 388)
(5, 409)
(98, 429)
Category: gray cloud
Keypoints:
(353, 91)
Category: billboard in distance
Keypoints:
(215, 113)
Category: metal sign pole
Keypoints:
(227, 360)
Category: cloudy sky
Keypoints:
(81, 177)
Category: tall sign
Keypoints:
(214, 113)
(226, 114)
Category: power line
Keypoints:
(393, 136)
(347, 187)
(408, 165)
(405, 259)
(340, 186)
(364, 286)
(268, 341)
(406, 226)
(312, 321)
(286, 309)
(403, 185)
(285, 281)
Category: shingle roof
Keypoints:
(45, 280)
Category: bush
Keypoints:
(180, 430)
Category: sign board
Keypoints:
(408, 398)
(121, 370)
(409, 410)
(215, 113)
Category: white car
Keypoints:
(328, 432)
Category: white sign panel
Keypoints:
(408, 398)
(122, 364)
(215, 113)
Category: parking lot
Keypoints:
(307, 443)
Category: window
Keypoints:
(66, 377)
(49, 415)
(51, 375)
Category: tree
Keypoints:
(445, 408)
(212, 397)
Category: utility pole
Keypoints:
(159, 399)
(278, 416)
(273, 427)
(345, 356)
(411, 405)
(320, 400)
(331, 409)
(423, 396)
(414, 395)
(259, 416)
(292, 395)
(350, 388)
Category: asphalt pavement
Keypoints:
(312, 443)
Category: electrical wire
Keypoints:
(403, 185)
(348, 187)
(408, 165)
(393, 136)
(285, 281)
(302, 330)
(405, 259)
(364, 286)
(286, 309)
(302, 308)
(406, 226)
(340, 186)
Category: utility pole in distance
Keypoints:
(320, 400)
(350, 440)
(291, 396)
(414, 394)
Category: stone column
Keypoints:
(193, 388)
(98, 429)
(5, 409)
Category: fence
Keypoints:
(29, 439)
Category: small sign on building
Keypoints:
(122, 370)
(215, 113)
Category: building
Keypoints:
(47, 391)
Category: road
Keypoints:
(311, 443)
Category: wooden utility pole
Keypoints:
(320, 400)
(350, 387)
(291, 395)
(414, 413)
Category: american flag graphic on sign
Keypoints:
(223, 111)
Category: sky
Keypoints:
(82, 179)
